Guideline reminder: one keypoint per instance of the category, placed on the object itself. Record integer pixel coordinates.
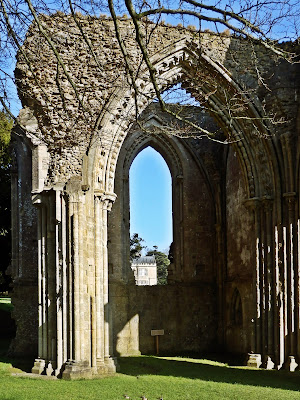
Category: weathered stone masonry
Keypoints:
(234, 283)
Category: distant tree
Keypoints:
(136, 246)
(5, 223)
(162, 263)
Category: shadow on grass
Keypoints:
(23, 363)
(204, 370)
(7, 334)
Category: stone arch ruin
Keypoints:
(236, 208)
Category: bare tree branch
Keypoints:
(59, 60)
(251, 20)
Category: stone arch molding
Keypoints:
(136, 141)
(158, 142)
(176, 64)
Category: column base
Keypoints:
(254, 360)
(291, 364)
(49, 369)
(108, 366)
(81, 369)
(38, 366)
(76, 370)
(269, 363)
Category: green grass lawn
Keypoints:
(173, 378)
(5, 304)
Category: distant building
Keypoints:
(145, 271)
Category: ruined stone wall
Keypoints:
(187, 313)
(63, 124)
(69, 131)
(75, 139)
(240, 268)
(239, 221)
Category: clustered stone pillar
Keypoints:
(276, 287)
(264, 332)
(291, 283)
(74, 323)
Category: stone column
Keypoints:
(297, 264)
(66, 323)
(64, 276)
(76, 283)
(254, 357)
(291, 281)
(279, 328)
(70, 279)
(109, 361)
(52, 293)
(40, 362)
(77, 365)
(105, 362)
(99, 317)
(60, 289)
(15, 237)
(269, 287)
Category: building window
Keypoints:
(143, 272)
(143, 283)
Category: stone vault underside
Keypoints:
(234, 283)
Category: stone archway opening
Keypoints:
(150, 194)
(185, 308)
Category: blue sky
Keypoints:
(151, 199)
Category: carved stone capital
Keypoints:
(105, 199)
(267, 202)
(254, 203)
(290, 198)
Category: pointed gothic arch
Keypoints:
(179, 64)
(134, 144)
(189, 181)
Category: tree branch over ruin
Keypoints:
(132, 81)
(56, 53)
(249, 21)
(247, 31)
(249, 28)
(152, 73)
(86, 39)
(16, 41)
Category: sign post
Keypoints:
(156, 333)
